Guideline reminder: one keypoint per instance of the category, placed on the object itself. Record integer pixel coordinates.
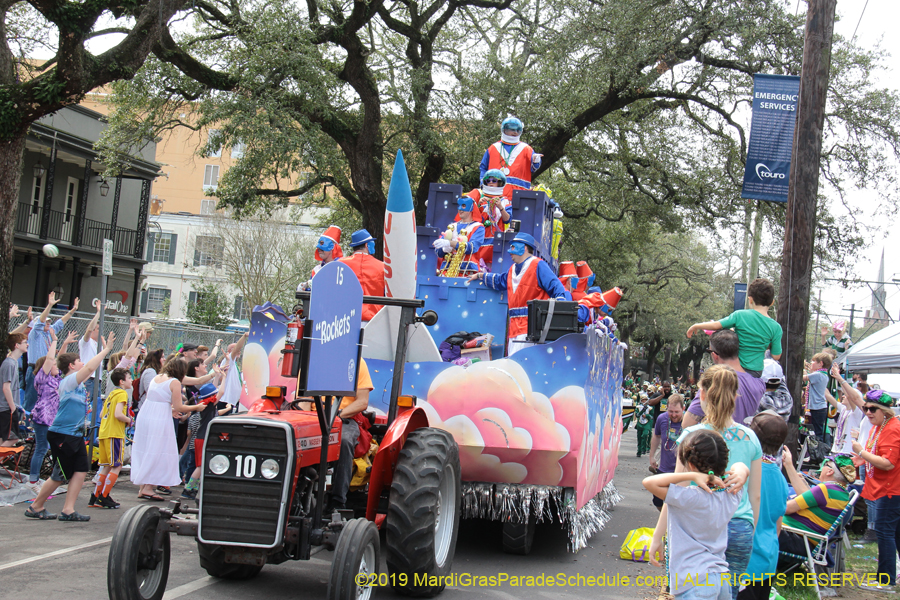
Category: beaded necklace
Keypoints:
(871, 446)
(770, 459)
(671, 436)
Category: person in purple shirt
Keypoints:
(723, 347)
(46, 384)
(666, 432)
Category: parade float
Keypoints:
(538, 431)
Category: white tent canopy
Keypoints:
(878, 353)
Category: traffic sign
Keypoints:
(107, 257)
(335, 309)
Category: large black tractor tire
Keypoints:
(212, 558)
(354, 570)
(132, 571)
(518, 537)
(423, 513)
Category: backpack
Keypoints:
(778, 400)
(451, 347)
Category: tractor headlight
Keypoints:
(219, 464)
(269, 468)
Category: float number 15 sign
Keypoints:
(335, 308)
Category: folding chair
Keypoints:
(818, 555)
(9, 463)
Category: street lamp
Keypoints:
(38, 170)
(104, 187)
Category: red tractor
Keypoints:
(264, 489)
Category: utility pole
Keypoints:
(852, 311)
(800, 226)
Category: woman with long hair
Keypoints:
(717, 391)
(154, 455)
(153, 364)
(881, 452)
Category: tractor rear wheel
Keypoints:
(138, 565)
(423, 513)
(212, 558)
(356, 560)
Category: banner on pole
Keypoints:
(740, 296)
(767, 173)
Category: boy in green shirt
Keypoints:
(757, 332)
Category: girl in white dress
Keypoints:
(154, 454)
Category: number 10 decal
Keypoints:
(249, 466)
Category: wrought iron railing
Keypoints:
(63, 227)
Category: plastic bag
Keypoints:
(636, 546)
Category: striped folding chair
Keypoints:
(817, 545)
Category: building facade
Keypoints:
(63, 201)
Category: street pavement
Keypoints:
(49, 559)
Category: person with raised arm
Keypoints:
(66, 434)
(46, 383)
(39, 341)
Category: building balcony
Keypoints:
(64, 227)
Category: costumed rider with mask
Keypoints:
(492, 206)
(328, 249)
(461, 242)
(530, 278)
(369, 270)
(517, 160)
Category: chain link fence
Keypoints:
(166, 334)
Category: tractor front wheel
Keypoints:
(138, 565)
(354, 570)
(423, 513)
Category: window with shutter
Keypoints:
(214, 144)
(207, 206)
(162, 247)
(237, 151)
(210, 178)
(156, 298)
(209, 251)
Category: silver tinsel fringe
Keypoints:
(518, 503)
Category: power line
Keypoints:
(858, 22)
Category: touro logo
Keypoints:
(764, 172)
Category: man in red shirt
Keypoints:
(369, 270)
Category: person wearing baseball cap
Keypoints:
(515, 159)
(879, 452)
(369, 270)
(529, 278)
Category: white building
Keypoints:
(182, 248)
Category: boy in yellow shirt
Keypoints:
(114, 420)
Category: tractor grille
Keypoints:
(240, 507)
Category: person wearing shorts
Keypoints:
(113, 422)
(65, 435)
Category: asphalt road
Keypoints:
(49, 559)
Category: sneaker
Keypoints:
(189, 494)
(75, 516)
(107, 502)
(870, 536)
(94, 502)
(165, 491)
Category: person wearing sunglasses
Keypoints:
(515, 159)
(880, 451)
